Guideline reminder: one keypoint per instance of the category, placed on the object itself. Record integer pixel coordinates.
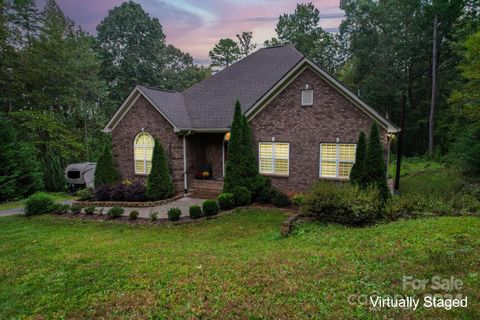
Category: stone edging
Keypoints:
(127, 204)
(287, 225)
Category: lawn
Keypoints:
(57, 196)
(236, 266)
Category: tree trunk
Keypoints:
(434, 86)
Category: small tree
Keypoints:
(375, 173)
(233, 168)
(357, 175)
(105, 171)
(159, 182)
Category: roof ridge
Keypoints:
(158, 89)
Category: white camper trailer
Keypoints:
(80, 175)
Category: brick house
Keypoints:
(305, 123)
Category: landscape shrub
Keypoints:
(103, 192)
(153, 216)
(210, 207)
(84, 194)
(344, 203)
(159, 182)
(226, 201)
(195, 212)
(75, 209)
(105, 170)
(465, 203)
(133, 215)
(280, 199)
(90, 210)
(262, 190)
(122, 191)
(242, 195)
(298, 200)
(174, 214)
(39, 203)
(59, 208)
(115, 212)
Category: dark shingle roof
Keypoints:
(170, 104)
(210, 103)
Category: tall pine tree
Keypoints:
(375, 172)
(357, 175)
(159, 182)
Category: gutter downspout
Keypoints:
(185, 178)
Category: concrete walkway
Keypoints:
(183, 204)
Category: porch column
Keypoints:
(185, 181)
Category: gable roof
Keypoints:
(254, 80)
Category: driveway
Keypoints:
(11, 212)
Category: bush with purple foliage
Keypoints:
(134, 191)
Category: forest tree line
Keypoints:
(59, 85)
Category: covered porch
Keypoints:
(206, 154)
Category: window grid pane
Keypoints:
(143, 153)
(336, 160)
(273, 158)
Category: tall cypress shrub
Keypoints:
(357, 174)
(234, 165)
(159, 182)
(375, 172)
(250, 169)
(105, 171)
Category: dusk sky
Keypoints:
(195, 26)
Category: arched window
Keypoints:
(143, 151)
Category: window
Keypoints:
(143, 152)
(336, 160)
(273, 158)
(307, 97)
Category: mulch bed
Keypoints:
(141, 220)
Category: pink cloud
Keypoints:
(195, 26)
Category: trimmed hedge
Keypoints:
(115, 212)
(226, 201)
(210, 207)
(195, 212)
(174, 214)
(280, 199)
(243, 196)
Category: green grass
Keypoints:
(233, 267)
(58, 197)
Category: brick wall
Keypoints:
(332, 116)
(144, 115)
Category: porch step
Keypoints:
(206, 189)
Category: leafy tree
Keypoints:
(234, 165)
(105, 172)
(273, 42)
(302, 30)
(357, 174)
(20, 173)
(132, 48)
(159, 183)
(225, 52)
(245, 43)
(465, 151)
(375, 172)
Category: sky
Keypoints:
(194, 26)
